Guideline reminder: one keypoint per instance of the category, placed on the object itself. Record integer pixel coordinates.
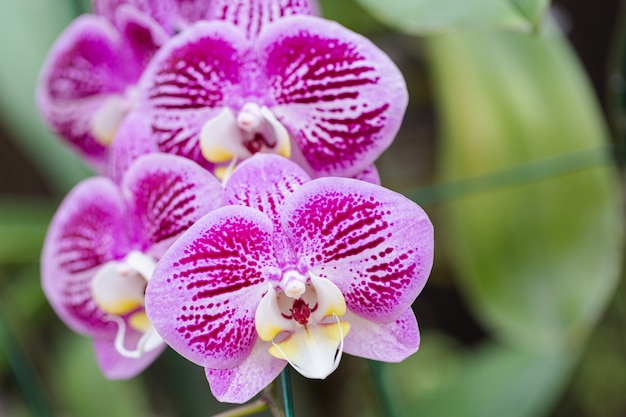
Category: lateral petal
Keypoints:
(389, 342)
(189, 82)
(167, 194)
(203, 295)
(374, 244)
(87, 231)
(341, 97)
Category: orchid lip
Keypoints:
(253, 129)
(118, 289)
(107, 119)
(302, 322)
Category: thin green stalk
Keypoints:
(287, 398)
(245, 410)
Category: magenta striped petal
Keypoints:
(143, 37)
(389, 342)
(340, 97)
(241, 383)
(374, 244)
(369, 174)
(204, 292)
(88, 230)
(253, 15)
(81, 71)
(189, 81)
(167, 194)
(115, 366)
(263, 182)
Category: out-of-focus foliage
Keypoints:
(421, 17)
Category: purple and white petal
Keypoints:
(203, 294)
(87, 231)
(253, 16)
(190, 80)
(143, 37)
(82, 71)
(133, 139)
(374, 244)
(241, 383)
(188, 12)
(341, 97)
(167, 194)
(115, 366)
(369, 174)
(263, 182)
(389, 342)
(160, 11)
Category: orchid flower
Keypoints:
(293, 271)
(302, 87)
(103, 244)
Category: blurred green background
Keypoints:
(513, 142)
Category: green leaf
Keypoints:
(30, 27)
(491, 381)
(540, 260)
(432, 16)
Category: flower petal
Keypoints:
(253, 16)
(241, 383)
(263, 182)
(188, 83)
(81, 72)
(133, 139)
(374, 244)
(341, 98)
(390, 342)
(143, 37)
(159, 10)
(87, 231)
(204, 292)
(369, 174)
(168, 194)
(115, 366)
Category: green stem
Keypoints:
(245, 410)
(287, 399)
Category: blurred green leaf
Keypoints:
(29, 28)
(429, 16)
(491, 381)
(538, 261)
(83, 390)
(23, 225)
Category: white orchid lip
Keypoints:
(118, 289)
(229, 136)
(305, 329)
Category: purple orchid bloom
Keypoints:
(218, 93)
(293, 271)
(87, 83)
(103, 244)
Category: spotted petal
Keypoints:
(87, 231)
(190, 80)
(159, 10)
(167, 194)
(263, 182)
(241, 383)
(374, 244)
(340, 97)
(389, 342)
(204, 292)
(253, 16)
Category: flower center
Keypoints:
(118, 289)
(228, 137)
(109, 116)
(301, 320)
